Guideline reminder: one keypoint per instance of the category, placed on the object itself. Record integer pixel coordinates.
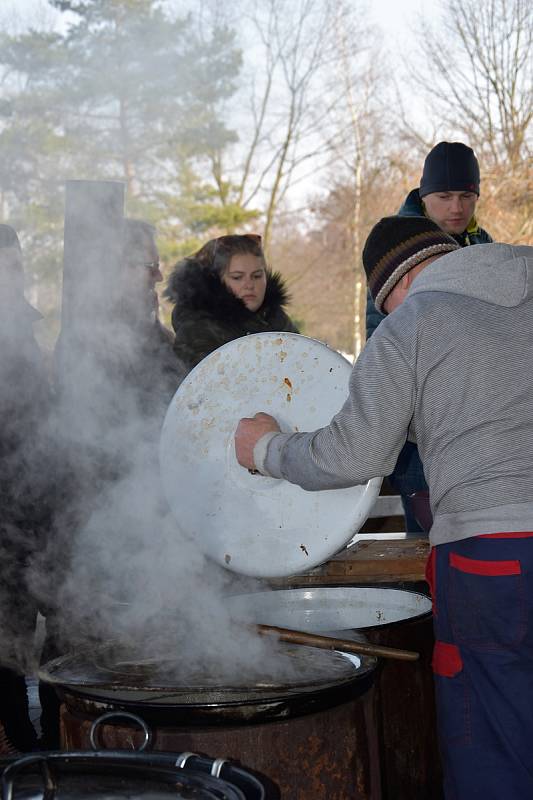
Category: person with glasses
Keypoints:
(151, 369)
(222, 292)
(142, 272)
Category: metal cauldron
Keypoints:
(311, 736)
(404, 691)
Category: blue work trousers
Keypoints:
(482, 592)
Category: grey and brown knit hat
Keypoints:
(397, 244)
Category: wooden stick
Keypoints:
(329, 643)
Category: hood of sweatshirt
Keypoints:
(501, 274)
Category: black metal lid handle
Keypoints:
(11, 773)
(183, 758)
(216, 766)
(123, 715)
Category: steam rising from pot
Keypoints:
(115, 564)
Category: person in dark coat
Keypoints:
(448, 193)
(223, 292)
(150, 370)
(135, 362)
(24, 406)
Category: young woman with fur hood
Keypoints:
(223, 292)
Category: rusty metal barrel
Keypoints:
(314, 737)
(404, 694)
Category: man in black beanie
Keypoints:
(451, 368)
(448, 193)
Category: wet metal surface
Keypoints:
(317, 678)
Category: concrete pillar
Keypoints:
(94, 213)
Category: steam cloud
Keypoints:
(113, 564)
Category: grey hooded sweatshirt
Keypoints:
(451, 369)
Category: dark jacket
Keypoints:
(207, 314)
(25, 481)
(24, 407)
(151, 372)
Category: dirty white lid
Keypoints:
(252, 524)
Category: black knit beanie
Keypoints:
(450, 167)
(397, 244)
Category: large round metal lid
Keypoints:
(321, 609)
(252, 524)
(114, 673)
(121, 775)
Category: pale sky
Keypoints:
(396, 17)
(399, 19)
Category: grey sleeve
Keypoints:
(364, 439)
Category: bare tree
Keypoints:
(355, 146)
(284, 104)
(363, 183)
(480, 75)
(477, 74)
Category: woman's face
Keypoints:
(245, 277)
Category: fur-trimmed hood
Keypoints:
(193, 287)
(207, 315)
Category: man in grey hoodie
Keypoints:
(451, 368)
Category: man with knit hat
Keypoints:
(451, 368)
(448, 193)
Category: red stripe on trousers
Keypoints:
(475, 567)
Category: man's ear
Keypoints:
(406, 280)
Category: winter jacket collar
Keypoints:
(474, 234)
(194, 288)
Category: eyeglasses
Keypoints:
(152, 266)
